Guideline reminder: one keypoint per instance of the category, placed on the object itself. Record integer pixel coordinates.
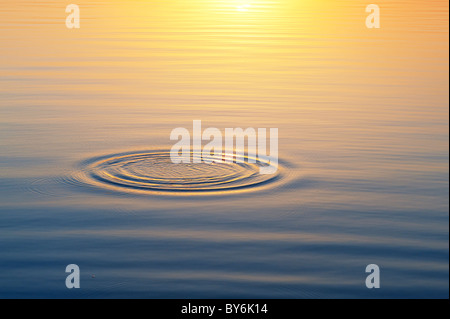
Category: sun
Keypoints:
(243, 6)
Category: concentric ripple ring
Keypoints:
(154, 172)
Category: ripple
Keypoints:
(153, 172)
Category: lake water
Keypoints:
(363, 139)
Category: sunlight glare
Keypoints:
(243, 6)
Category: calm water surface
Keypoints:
(363, 125)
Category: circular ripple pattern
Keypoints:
(154, 172)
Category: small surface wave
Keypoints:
(154, 172)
